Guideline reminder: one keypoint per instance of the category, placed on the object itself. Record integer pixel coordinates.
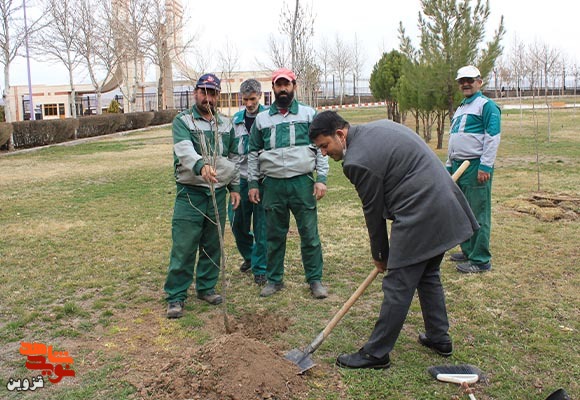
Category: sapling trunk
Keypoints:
(210, 157)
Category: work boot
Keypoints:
(211, 297)
(457, 257)
(260, 279)
(444, 349)
(246, 266)
(361, 359)
(271, 288)
(469, 268)
(175, 309)
(318, 290)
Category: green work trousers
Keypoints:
(248, 223)
(193, 232)
(282, 196)
(478, 196)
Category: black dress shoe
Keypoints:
(444, 349)
(361, 359)
(246, 266)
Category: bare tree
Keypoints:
(324, 62)
(297, 30)
(516, 62)
(310, 77)
(357, 64)
(158, 42)
(297, 24)
(505, 76)
(128, 21)
(166, 45)
(546, 58)
(279, 56)
(284, 50)
(202, 59)
(228, 63)
(341, 62)
(564, 63)
(532, 71)
(12, 38)
(95, 45)
(575, 74)
(57, 40)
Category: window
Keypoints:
(50, 109)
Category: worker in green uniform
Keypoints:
(248, 221)
(202, 142)
(284, 160)
(475, 136)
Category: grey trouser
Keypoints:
(399, 286)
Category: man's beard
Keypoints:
(284, 101)
(207, 108)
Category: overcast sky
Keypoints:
(247, 26)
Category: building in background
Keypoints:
(54, 101)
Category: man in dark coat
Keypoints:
(399, 178)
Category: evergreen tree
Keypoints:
(384, 81)
(451, 36)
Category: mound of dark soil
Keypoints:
(238, 367)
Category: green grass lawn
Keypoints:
(85, 239)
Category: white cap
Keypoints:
(468, 71)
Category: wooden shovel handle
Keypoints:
(460, 170)
(352, 299)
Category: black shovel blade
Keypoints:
(300, 358)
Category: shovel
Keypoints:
(464, 165)
(302, 357)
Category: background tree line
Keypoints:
(421, 81)
(113, 41)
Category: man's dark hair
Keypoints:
(326, 123)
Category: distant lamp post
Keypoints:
(30, 101)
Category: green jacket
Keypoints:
(280, 146)
(191, 133)
(242, 140)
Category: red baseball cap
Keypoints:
(283, 73)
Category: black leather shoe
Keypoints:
(444, 349)
(246, 266)
(361, 359)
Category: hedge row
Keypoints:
(5, 132)
(97, 125)
(40, 133)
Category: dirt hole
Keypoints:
(239, 366)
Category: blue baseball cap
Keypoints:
(208, 81)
